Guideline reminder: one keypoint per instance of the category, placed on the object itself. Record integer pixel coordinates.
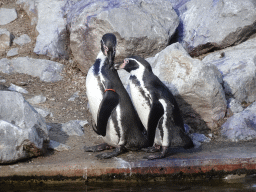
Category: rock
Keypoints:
(75, 95)
(5, 66)
(58, 146)
(198, 139)
(43, 112)
(7, 16)
(196, 86)
(51, 26)
(73, 128)
(234, 105)
(37, 99)
(142, 27)
(187, 128)
(17, 89)
(5, 39)
(46, 70)
(238, 68)
(241, 126)
(22, 40)
(212, 24)
(2, 81)
(13, 52)
(23, 131)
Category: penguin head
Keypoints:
(108, 47)
(133, 63)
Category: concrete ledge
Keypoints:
(223, 160)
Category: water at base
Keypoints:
(241, 185)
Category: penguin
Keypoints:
(156, 107)
(115, 117)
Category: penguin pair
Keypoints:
(159, 121)
(112, 110)
(156, 107)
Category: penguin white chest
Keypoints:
(94, 93)
(141, 101)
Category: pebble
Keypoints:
(18, 89)
(37, 99)
(13, 52)
(7, 16)
(22, 40)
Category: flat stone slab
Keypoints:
(225, 159)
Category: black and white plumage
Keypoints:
(156, 107)
(110, 105)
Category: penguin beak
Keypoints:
(111, 56)
(118, 66)
(121, 65)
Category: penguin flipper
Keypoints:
(156, 112)
(108, 104)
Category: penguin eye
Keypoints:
(126, 61)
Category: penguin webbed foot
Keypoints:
(153, 149)
(117, 151)
(97, 148)
(159, 155)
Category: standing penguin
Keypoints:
(112, 110)
(156, 107)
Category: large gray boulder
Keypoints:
(197, 86)
(46, 70)
(51, 26)
(48, 16)
(238, 67)
(215, 24)
(142, 27)
(241, 126)
(23, 131)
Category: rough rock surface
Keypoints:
(7, 15)
(58, 146)
(23, 130)
(43, 112)
(13, 52)
(234, 105)
(37, 99)
(48, 15)
(48, 71)
(74, 127)
(238, 67)
(22, 40)
(196, 86)
(241, 126)
(17, 89)
(215, 24)
(143, 27)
